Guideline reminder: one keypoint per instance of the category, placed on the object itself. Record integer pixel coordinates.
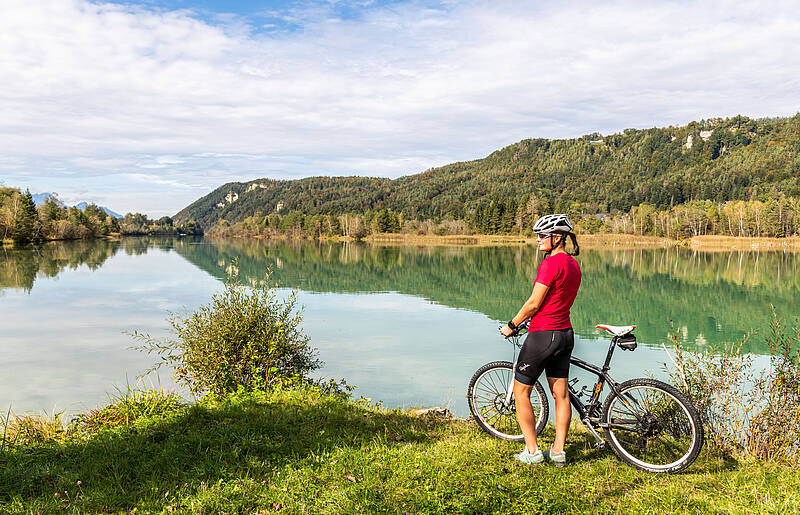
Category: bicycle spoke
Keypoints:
(651, 426)
(483, 388)
(490, 378)
(487, 399)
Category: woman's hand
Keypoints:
(506, 331)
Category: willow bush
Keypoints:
(746, 409)
(247, 336)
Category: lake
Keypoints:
(407, 325)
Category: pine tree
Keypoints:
(26, 220)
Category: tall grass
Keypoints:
(27, 430)
(746, 409)
(125, 407)
(129, 405)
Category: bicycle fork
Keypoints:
(510, 390)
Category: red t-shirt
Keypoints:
(563, 275)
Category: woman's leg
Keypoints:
(558, 386)
(525, 415)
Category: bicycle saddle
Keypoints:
(616, 330)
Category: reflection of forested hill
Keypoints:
(710, 297)
(19, 267)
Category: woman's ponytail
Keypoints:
(563, 241)
(574, 244)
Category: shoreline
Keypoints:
(706, 243)
(599, 241)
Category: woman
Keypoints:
(550, 339)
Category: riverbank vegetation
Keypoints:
(21, 221)
(747, 408)
(246, 337)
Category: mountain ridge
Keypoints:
(41, 198)
(719, 159)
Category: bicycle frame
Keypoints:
(588, 414)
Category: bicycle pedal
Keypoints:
(600, 445)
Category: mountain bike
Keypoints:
(648, 424)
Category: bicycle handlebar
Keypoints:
(520, 327)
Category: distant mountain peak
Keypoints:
(41, 198)
(84, 205)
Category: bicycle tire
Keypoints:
(487, 390)
(659, 429)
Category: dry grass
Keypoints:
(623, 241)
(713, 243)
(591, 241)
(448, 240)
(600, 241)
(29, 429)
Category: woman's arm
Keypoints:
(528, 309)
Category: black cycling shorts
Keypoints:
(547, 351)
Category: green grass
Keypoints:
(298, 451)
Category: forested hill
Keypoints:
(719, 159)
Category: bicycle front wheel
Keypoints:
(486, 396)
(652, 426)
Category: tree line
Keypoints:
(21, 221)
(776, 216)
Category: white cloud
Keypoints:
(108, 92)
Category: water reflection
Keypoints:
(64, 306)
(19, 267)
(710, 297)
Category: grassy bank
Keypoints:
(299, 451)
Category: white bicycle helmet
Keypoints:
(549, 224)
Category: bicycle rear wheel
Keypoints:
(486, 396)
(652, 426)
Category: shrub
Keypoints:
(746, 410)
(775, 430)
(245, 337)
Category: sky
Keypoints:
(147, 106)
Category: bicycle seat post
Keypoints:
(606, 365)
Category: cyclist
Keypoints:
(550, 339)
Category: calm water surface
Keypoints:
(407, 325)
